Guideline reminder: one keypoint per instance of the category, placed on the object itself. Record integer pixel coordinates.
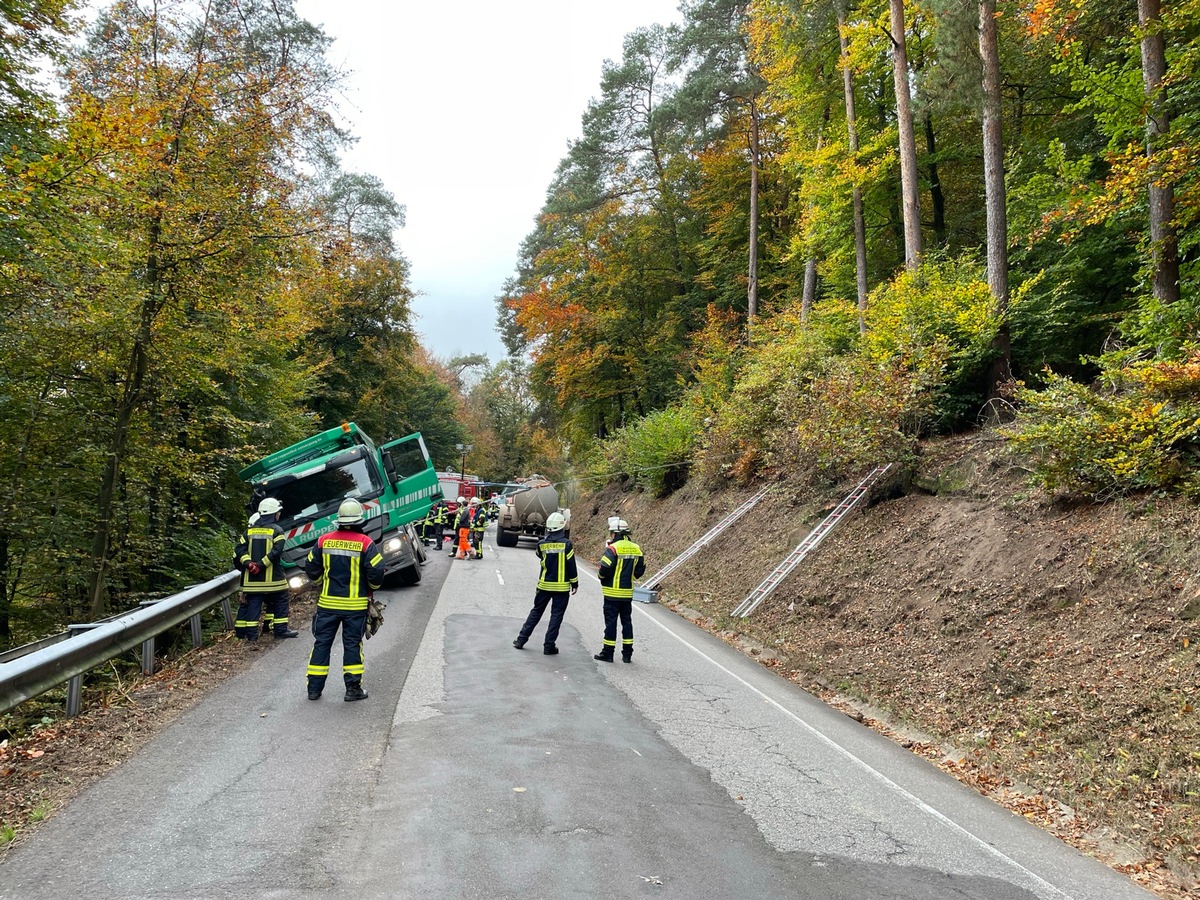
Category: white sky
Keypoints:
(464, 109)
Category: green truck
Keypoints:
(395, 482)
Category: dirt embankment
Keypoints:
(1044, 654)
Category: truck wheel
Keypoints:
(409, 575)
(506, 538)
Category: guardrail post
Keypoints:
(148, 644)
(74, 695)
(75, 682)
(197, 632)
(228, 610)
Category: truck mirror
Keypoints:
(389, 467)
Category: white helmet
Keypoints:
(556, 521)
(350, 512)
(269, 507)
(474, 501)
(461, 500)
(617, 525)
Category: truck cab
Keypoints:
(395, 483)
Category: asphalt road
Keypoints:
(479, 771)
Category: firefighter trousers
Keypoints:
(250, 607)
(276, 609)
(325, 628)
(557, 601)
(623, 610)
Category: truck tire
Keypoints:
(409, 575)
(506, 538)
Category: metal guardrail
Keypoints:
(28, 671)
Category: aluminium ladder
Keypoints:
(772, 581)
(691, 551)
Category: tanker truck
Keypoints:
(524, 511)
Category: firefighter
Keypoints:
(479, 523)
(621, 564)
(348, 566)
(559, 579)
(258, 555)
(427, 525)
(460, 543)
(440, 522)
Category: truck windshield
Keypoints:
(306, 496)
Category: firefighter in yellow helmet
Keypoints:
(621, 563)
(348, 567)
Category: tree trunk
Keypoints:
(1164, 243)
(860, 227)
(993, 159)
(996, 201)
(936, 197)
(908, 148)
(752, 272)
(5, 600)
(131, 400)
(810, 288)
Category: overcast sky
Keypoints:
(464, 110)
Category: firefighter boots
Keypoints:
(354, 692)
(605, 655)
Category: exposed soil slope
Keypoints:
(1045, 654)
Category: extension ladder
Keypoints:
(772, 581)
(691, 551)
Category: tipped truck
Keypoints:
(395, 483)
(525, 511)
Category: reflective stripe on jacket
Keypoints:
(347, 565)
(621, 564)
(263, 544)
(558, 563)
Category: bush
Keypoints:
(938, 322)
(805, 405)
(1138, 430)
(655, 451)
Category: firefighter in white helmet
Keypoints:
(460, 543)
(621, 563)
(559, 579)
(479, 523)
(258, 556)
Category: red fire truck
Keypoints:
(455, 485)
